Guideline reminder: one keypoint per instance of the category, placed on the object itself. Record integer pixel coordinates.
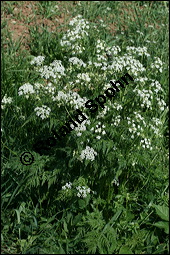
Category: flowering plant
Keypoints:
(93, 190)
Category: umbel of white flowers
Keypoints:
(92, 106)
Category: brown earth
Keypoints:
(24, 17)
(27, 15)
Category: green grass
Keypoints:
(126, 211)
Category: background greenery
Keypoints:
(38, 217)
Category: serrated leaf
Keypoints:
(125, 250)
(162, 211)
(164, 225)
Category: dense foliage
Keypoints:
(103, 188)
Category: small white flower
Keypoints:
(88, 153)
(6, 100)
(54, 70)
(84, 77)
(37, 60)
(43, 112)
(79, 134)
(26, 89)
(116, 182)
(77, 61)
(67, 186)
(82, 191)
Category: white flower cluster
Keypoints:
(103, 112)
(98, 129)
(141, 79)
(88, 153)
(58, 67)
(6, 100)
(128, 62)
(101, 59)
(117, 106)
(146, 96)
(84, 77)
(44, 89)
(157, 64)
(38, 87)
(156, 85)
(77, 61)
(49, 89)
(47, 72)
(72, 98)
(26, 89)
(61, 96)
(72, 37)
(79, 22)
(37, 60)
(161, 104)
(43, 112)
(77, 49)
(82, 191)
(156, 126)
(146, 143)
(140, 51)
(113, 50)
(134, 65)
(139, 118)
(101, 62)
(82, 127)
(157, 121)
(54, 70)
(100, 45)
(67, 186)
(116, 121)
(107, 85)
(136, 128)
(118, 64)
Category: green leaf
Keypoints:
(82, 203)
(18, 216)
(162, 211)
(125, 250)
(77, 219)
(164, 225)
(65, 227)
(116, 216)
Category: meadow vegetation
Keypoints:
(102, 189)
